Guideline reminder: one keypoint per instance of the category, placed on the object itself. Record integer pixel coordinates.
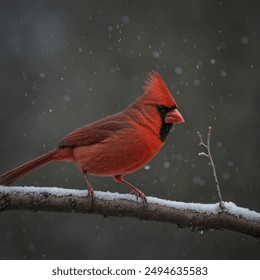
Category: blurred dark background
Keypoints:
(64, 64)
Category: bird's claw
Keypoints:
(91, 196)
(143, 197)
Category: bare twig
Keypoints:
(193, 215)
(208, 155)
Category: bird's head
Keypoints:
(158, 103)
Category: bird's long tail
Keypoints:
(22, 170)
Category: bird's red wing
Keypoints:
(83, 136)
(94, 133)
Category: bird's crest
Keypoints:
(155, 89)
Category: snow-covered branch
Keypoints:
(193, 215)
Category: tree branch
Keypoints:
(193, 215)
(208, 155)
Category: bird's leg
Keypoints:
(91, 194)
(138, 193)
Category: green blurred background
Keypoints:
(64, 64)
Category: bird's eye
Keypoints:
(160, 107)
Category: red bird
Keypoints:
(116, 145)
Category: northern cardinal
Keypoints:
(116, 145)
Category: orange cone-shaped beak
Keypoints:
(174, 116)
